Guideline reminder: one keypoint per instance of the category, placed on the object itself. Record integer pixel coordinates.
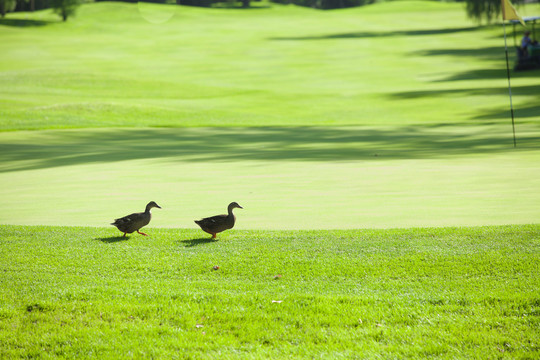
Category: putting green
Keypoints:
(286, 178)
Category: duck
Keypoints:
(135, 221)
(219, 223)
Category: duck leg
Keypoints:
(213, 235)
(124, 234)
(142, 233)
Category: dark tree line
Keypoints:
(486, 10)
(479, 10)
(318, 4)
(210, 3)
(326, 4)
(64, 8)
(6, 6)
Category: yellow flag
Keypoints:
(510, 13)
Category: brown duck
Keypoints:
(135, 221)
(219, 223)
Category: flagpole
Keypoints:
(509, 85)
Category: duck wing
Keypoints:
(132, 222)
(215, 224)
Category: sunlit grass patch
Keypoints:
(395, 63)
(448, 292)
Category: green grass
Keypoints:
(397, 63)
(412, 293)
(285, 178)
(391, 115)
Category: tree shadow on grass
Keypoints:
(495, 54)
(23, 22)
(531, 111)
(486, 53)
(482, 74)
(530, 90)
(113, 239)
(197, 242)
(56, 148)
(375, 34)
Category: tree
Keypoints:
(65, 8)
(327, 4)
(7, 5)
(485, 9)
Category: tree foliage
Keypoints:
(7, 5)
(326, 4)
(65, 8)
(210, 3)
(32, 5)
(487, 10)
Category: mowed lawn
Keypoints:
(396, 63)
(285, 178)
(386, 212)
(390, 115)
(444, 293)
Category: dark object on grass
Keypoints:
(135, 221)
(219, 223)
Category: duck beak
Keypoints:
(240, 207)
(159, 207)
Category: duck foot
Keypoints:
(142, 233)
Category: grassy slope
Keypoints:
(416, 293)
(425, 90)
(277, 66)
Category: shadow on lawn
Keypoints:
(495, 54)
(486, 53)
(521, 112)
(22, 22)
(197, 242)
(113, 239)
(375, 34)
(529, 90)
(482, 74)
(55, 148)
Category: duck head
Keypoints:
(234, 205)
(152, 204)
